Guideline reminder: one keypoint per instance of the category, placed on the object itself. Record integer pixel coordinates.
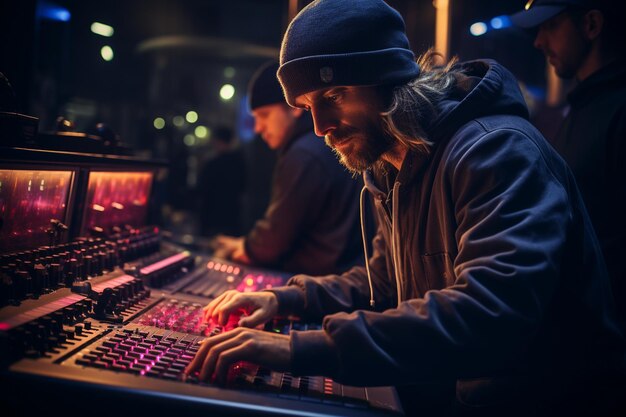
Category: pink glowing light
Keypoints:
(126, 192)
(163, 263)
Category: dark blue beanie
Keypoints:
(344, 42)
(264, 87)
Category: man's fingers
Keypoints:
(198, 361)
(227, 308)
(259, 316)
(219, 352)
(215, 304)
(240, 352)
(215, 353)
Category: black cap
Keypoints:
(538, 11)
(264, 87)
(338, 42)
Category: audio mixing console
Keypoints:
(127, 324)
(102, 320)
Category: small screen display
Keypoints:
(29, 200)
(116, 199)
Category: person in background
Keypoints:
(584, 39)
(312, 222)
(221, 184)
(486, 293)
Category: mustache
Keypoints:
(339, 135)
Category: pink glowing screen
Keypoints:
(28, 201)
(116, 199)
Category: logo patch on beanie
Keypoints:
(326, 74)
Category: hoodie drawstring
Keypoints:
(394, 244)
(364, 236)
(395, 235)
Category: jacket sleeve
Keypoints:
(299, 181)
(512, 217)
(312, 298)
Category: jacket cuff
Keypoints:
(313, 352)
(290, 300)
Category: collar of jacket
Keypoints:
(380, 183)
(611, 77)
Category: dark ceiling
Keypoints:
(171, 55)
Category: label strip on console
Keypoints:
(40, 311)
(164, 263)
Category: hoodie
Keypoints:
(312, 221)
(484, 267)
(592, 140)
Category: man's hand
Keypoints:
(229, 247)
(260, 307)
(219, 352)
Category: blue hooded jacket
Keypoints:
(499, 271)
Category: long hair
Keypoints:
(414, 105)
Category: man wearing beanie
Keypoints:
(583, 39)
(486, 293)
(312, 222)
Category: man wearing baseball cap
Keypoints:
(584, 39)
(485, 293)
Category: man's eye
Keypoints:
(333, 98)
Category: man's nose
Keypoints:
(539, 40)
(257, 127)
(322, 122)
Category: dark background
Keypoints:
(172, 56)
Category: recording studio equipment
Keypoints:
(98, 315)
(114, 199)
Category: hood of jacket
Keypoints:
(489, 89)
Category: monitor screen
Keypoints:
(116, 199)
(29, 200)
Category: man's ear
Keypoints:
(593, 23)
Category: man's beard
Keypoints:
(365, 146)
